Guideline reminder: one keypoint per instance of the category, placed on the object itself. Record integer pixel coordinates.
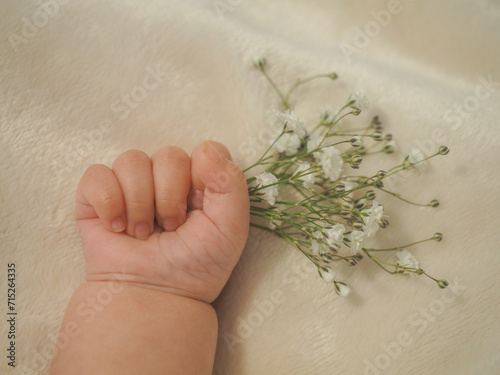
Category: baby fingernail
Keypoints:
(170, 224)
(118, 225)
(142, 231)
(197, 199)
(212, 152)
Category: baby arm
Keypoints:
(145, 307)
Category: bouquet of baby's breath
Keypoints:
(303, 195)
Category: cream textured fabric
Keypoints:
(83, 81)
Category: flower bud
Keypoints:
(379, 184)
(346, 205)
(345, 214)
(442, 283)
(327, 274)
(334, 249)
(356, 160)
(339, 188)
(443, 150)
(342, 289)
(355, 111)
(358, 225)
(384, 223)
(327, 258)
(351, 262)
(375, 122)
(356, 141)
(388, 137)
(381, 174)
(260, 62)
(360, 203)
(434, 203)
(358, 257)
(333, 75)
(370, 195)
(419, 271)
(361, 150)
(437, 237)
(377, 135)
(389, 147)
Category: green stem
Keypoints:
(402, 247)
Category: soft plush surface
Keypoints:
(62, 108)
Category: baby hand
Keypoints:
(136, 226)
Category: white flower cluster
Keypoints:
(326, 212)
(269, 191)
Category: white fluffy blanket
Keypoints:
(83, 81)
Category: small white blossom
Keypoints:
(314, 141)
(307, 179)
(342, 289)
(327, 274)
(390, 147)
(274, 224)
(334, 234)
(318, 246)
(349, 185)
(271, 192)
(406, 259)
(318, 234)
(356, 238)
(328, 113)
(359, 99)
(416, 156)
(288, 143)
(314, 247)
(331, 162)
(374, 219)
(293, 122)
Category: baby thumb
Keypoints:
(220, 190)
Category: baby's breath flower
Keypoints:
(339, 188)
(370, 195)
(360, 203)
(313, 142)
(328, 113)
(314, 247)
(293, 122)
(288, 143)
(389, 147)
(334, 234)
(434, 203)
(356, 141)
(437, 237)
(358, 100)
(406, 259)
(443, 150)
(315, 219)
(416, 157)
(356, 240)
(260, 62)
(331, 162)
(327, 273)
(342, 289)
(442, 283)
(372, 219)
(356, 161)
(349, 185)
(307, 179)
(377, 135)
(270, 192)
